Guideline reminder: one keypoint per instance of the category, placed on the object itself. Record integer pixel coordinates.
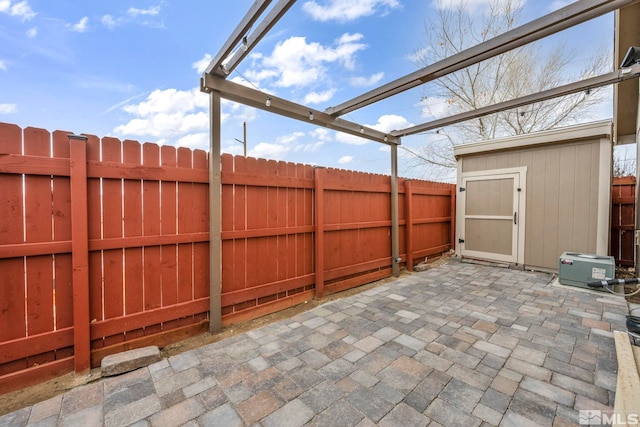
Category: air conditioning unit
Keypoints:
(577, 269)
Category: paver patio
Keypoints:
(458, 345)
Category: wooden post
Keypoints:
(408, 199)
(215, 217)
(319, 231)
(395, 229)
(80, 253)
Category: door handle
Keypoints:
(515, 218)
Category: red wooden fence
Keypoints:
(104, 245)
(623, 217)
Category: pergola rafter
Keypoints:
(568, 89)
(552, 23)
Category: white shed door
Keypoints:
(493, 209)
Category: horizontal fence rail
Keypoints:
(104, 244)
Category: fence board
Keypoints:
(61, 205)
(12, 291)
(168, 225)
(623, 220)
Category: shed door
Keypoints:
(493, 223)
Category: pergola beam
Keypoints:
(258, 7)
(583, 85)
(257, 99)
(274, 15)
(554, 22)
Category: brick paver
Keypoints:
(457, 345)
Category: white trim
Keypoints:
(491, 172)
(603, 226)
(522, 212)
(561, 135)
(459, 209)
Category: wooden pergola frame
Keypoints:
(243, 39)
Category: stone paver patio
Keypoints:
(458, 345)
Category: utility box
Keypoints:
(577, 269)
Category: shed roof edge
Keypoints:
(599, 129)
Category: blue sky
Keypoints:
(131, 69)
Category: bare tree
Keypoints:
(624, 162)
(523, 71)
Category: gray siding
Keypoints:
(562, 196)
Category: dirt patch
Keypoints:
(31, 395)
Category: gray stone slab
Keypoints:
(293, 414)
(321, 396)
(130, 360)
(179, 414)
(341, 414)
(223, 415)
(133, 412)
(449, 415)
(369, 404)
(403, 415)
(544, 389)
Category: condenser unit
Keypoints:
(577, 269)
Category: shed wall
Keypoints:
(562, 195)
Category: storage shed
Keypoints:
(526, 199)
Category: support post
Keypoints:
(80, 254)
(318, 209)
(408, 201)
(395, 232)
(215, 217)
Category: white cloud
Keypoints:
(322, 134)
(110, 22)
(195, 141)
(294, 62)
(347, 138)
(290, 138)
(81, 26)
(32, 32)
(319, 97)
(391, 122)
(285, 144)
(345, 159)
(3, 66)
(21, 9)
(344, 11)
(171, 113)
(434, 107)
(419, 54)
(269, 151)
(151, 11)
(133, 14)
(8, 108)
(366, 81)
(201, 64)
(386, 123)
